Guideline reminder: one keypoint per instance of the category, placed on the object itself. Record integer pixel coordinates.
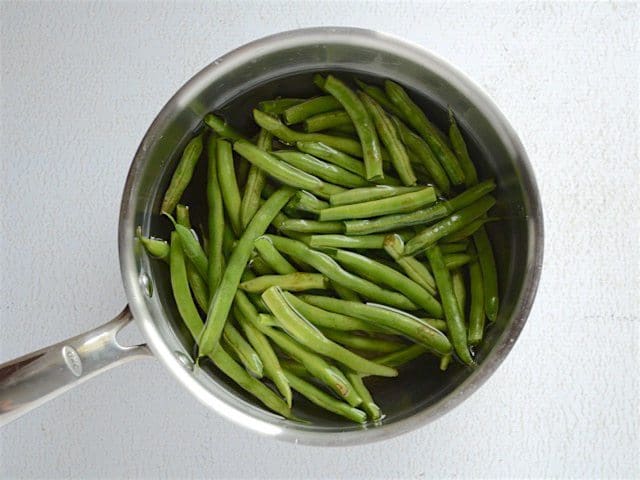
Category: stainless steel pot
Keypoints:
(270, 65)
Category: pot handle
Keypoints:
(33, 379)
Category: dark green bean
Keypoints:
(452, 223)
(292, 282)
(427, 215)
(456, 247)
(327, 120)
(456, 260)
(182, 175)
(401, 357)
(318, 397)
(361, 342)
(255, 182)
(223, 297)
(452, 313)
(300, 225)
(283, 172)
(327, 266)
(278, 105)
(345, 293)
(365, 194)
(314, 106)
(309, 336)
(459, 289)
(418, 120)
(290, 137)
(395, 320)
(385, 275)
(468, 230)
(368, 405)
(348, 131)
(364, 124)
(415, 270)
(318, 81)
(215, 218)
(406, 202)
(379, 96)
(489, 274)
(223, 130)
(389, 136)
(460, 149)
(476, 304)
(326, 171)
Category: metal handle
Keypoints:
(32, 380)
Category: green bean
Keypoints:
(361, 342)
(318, 81)
(228, 241)
(182, 215)
(456, 247)
(326, 171)
(389, 136)
(223, 297)
(245, 352)
(468, 230)
(242, 173)
(445, 361)
(388, 276)
(460, 149)
(255, 387)
(309, 336)
(229, 187)
(223, 130)
(401, 357)
(368, 405)
(284, 172)
(418, 120)
(427, 215)
(476, 304)
(321, 399)
(247, 317)
(379, 96)
(255, 183)
(272, 256)
(215, 218)
(327, 120)
(421, 150)
(260, 267)
(415, 270)
(347, 131)
(459, 289)
(452, 223)
(436, 323)
(155, 247)
(325, 319)
(406, 202)
(182, 175)
(296, 368)
(326, 373)
(365, 194)
(331, 155)
(363, 242)
(489, 274)
(314, 106)
(395, 320)
(289, 136)
(292, 282)
(278, 105)
(306, 202)
(452, 313)
(456, 260)
(300, 225)
(364, 124)
(327, 266)
(198, 285)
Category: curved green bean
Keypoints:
(368, 405)
(395, 320)
(326, 171)
(182, 175)
(292, 282)
(289, 136)
(364, 124)
(489, 274)
(256, 180)
(284, 172)
(367, 194)
(452, 223)
(229, 187)
(309, 336)
(389, 136)
(245, 352)
(418, 120)
(455, 322)
(327, 120)
(468, 230)
(219, 126)
(388, 276)
(476, 304)
(155, 247)
(272, 256)
(318, 397)
(300, 225)
(215, 218)
(459, 289)
(192, 248)
(456, 247)
(427, 215)
(223, 297)
(460, 149)
(306, 202)
(415, 270)
(379, 96)
(309, 108)
(327, 266)
(406, 202)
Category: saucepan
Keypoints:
(268, 67)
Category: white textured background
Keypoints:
(82, 81)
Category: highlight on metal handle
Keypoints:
(33, 379)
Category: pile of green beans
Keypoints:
(342, 239)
